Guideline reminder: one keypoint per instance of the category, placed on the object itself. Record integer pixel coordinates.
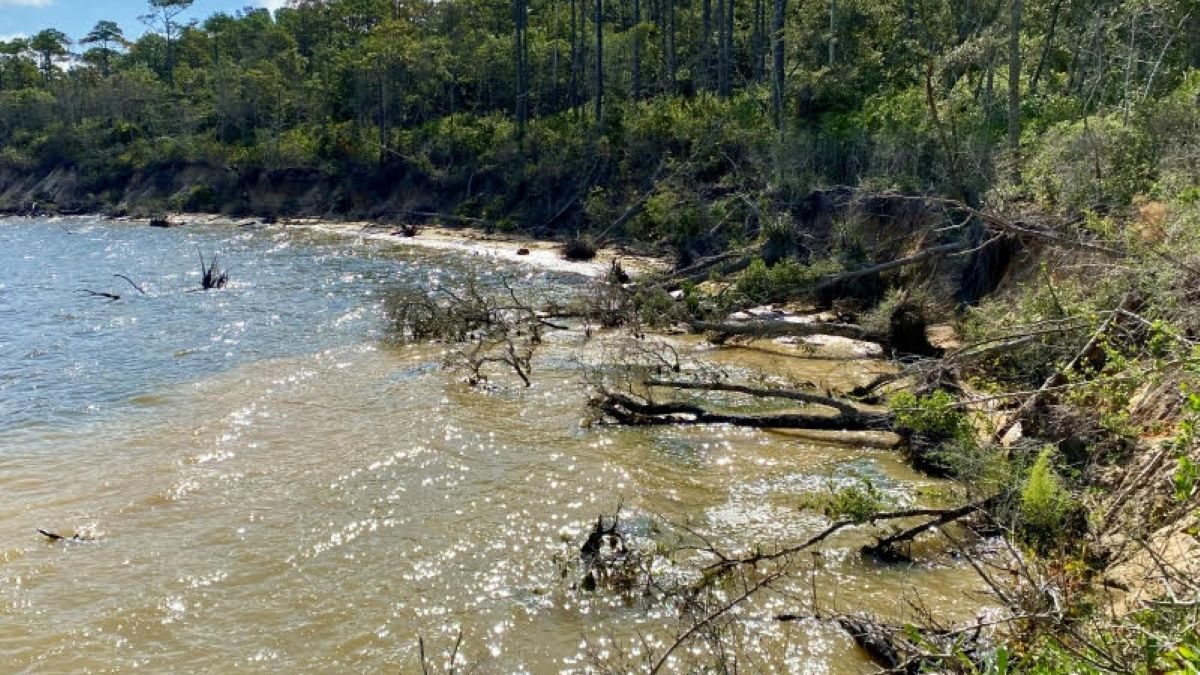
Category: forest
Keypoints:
(681, 123)
(1026, 172)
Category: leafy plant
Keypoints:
(1045, 503)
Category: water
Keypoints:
(273, 488)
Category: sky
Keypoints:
(76, 17)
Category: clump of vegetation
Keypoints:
(579, 248)
(1045, 503)
(760, 283)
(858, 502)
(211, 276)
(487, 327)
(937, 414)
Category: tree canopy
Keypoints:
(517, 105)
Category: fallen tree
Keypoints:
(630, 411)
(810, 397)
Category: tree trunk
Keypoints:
(777, 50)
(989, 90)
(832, 32)
(1047, 47)
(672, 61)
(637, 50)
(520, 17)
(705, 69)
(729, 54)
(573, 85)
(722, 55)
(1014, 89)
(1129, 67)
(633, 412)
(599, 61)
(759, 41)
(383, 113)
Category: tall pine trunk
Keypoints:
(520, 18)
(573, 84)
(705, 79)
(727, 51)
(758, 41)
(672, 61)
(637, 50)
(599, 20)
(777, 58)
(721, 83)
(1014, 89)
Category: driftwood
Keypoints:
(54, 536)
(844, 407)
(885, 548)
(771, 328)
(844, 277)
(909, 648)
(722, 264)
(726, 563)
(629, 411)
(111, 297)
(136, 287)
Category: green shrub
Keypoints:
(1045, 504)
(199, 198)
(1097, 163)
(935, 415)
(760, 283)
(858, 502)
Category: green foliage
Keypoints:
(936, 414)
(1096, 163)
(1186, 480)
(858, 502)
(760, 283)
(1045, 503)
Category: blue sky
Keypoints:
(76, 17)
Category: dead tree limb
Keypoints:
(136, 287)
(726, 563)
(722, 264)
(708, 620)
(212, 277)
(768, 328)
(1060, 375)
(111, 297)
(930, 252)
(812, 398)
(885, 548)
(629, 411)
(1019, 229)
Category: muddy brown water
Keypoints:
(273, 488)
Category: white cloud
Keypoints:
(269, 4)
(26, 3)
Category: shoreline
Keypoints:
(539, 253)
